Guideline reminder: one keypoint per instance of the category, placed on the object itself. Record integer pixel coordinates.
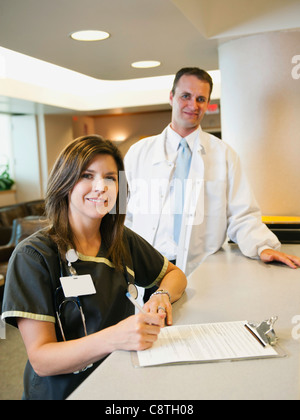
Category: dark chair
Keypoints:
(17, 211)
(5, 234)
(21, 229)
(9, 213)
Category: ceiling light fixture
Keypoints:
(145, 64)
(89, 35)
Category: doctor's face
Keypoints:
(189, 103)
(95, 194)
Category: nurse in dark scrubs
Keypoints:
(69, 332)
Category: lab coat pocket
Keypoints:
(193, 209)
(215, 201)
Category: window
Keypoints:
(6, 155)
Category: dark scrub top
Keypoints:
(32, 286)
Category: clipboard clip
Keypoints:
(265, 331)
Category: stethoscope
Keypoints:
(131, 287)
(72, 257)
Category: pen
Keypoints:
(135, 303)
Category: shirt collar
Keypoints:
(173, 139)
(166, 147)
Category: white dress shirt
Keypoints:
(164, 238)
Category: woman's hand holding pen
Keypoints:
(138, 332)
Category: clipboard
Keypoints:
(211, 343)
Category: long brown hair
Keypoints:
(67, 170)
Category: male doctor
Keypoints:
(188, 190)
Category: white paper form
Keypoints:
(204, 343)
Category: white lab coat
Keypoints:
(218, 200)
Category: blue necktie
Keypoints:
(181, 174)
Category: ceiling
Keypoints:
(177, 33)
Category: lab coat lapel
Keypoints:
(161, 168)
(160, 181)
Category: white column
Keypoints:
(260, 106)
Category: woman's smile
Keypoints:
(95, 194)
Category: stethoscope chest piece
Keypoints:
(132, 289)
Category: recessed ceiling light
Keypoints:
(89, 35)
(145, 64)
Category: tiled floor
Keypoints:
(13, 358)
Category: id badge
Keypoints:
(78, 285)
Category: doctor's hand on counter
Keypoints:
(270, 255)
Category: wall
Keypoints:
(126, 129)
(50, 133)
(59, 133)
(83, 126)
(7, 198)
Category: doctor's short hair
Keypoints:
(193, 71)
(66, 172)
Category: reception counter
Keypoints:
(226, 287)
